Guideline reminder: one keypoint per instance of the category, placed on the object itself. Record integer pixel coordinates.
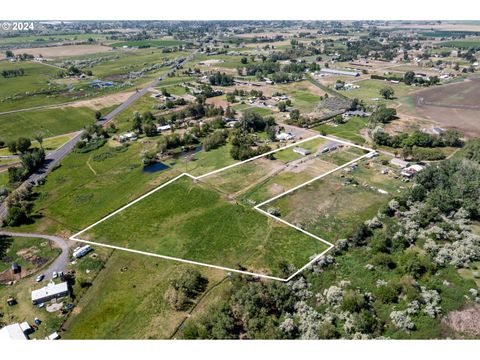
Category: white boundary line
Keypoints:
(257, 207)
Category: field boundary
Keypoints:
(75, 237)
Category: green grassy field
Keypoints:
(48, 122)
(3, 178)
(301, 94)
(369, 89)
(130, 304)
(348, 131)
(196, 223)
(462, 44)
(48, 144)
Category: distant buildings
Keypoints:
(339, 72)
(49, 292)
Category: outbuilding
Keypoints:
(399, 162)
(301, 151)
(340, 72)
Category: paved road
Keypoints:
(54, 158)
(61, 262)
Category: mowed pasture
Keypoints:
(48, 122)
(454, 105)
(332, 207)
(370, 90)
(191, 221)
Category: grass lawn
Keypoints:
(204, 161)
(263, 111)
(194, 222)
(348, 131)
(3, 178)
(48, 122)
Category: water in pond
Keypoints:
(155, 167)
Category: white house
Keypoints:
(49, 292)
(284, 136)
(14, 332)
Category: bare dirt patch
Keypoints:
(455, 106)
(102, 102)
(67, 50)
(465, 321)
(218, 101)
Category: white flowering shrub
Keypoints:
(333, 295)
(401, 320)
(374, 223)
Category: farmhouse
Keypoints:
(15, 332)
(412, 170)
(339, 72)
(49, 292)
(301, 151)
(284, 136)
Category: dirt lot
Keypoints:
(465, 321)
(218, 101)
(104, 101)
(455, 105)
(67, 50)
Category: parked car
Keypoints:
(54, 275)
(40, 277)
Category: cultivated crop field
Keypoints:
(454, 105)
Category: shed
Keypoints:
(301, 151)
(399, 162)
